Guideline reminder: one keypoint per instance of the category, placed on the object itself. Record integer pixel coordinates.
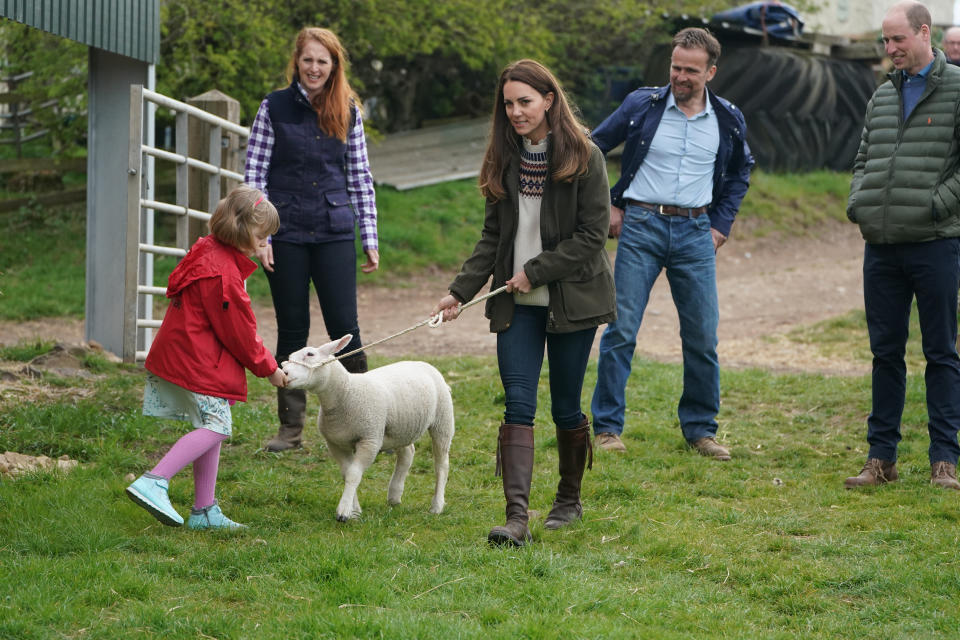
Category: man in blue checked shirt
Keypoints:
(685, 169)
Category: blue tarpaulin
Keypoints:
(772, 18)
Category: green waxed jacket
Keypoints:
(906, 177)
(574, 221)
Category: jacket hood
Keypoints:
(205, 260)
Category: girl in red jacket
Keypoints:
(197, 360)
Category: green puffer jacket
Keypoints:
(906, 177)
(574, 221)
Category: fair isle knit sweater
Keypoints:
(527, 244)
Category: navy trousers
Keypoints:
(892, 276)
(333, 268)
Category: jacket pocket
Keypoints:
(339, 212)
(592, 297)
(286, 204)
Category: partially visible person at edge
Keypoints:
(951, 45)
(685, 170)
(905, 195)
(547, 214)
(308, 151)
(195, 367)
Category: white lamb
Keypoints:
(386, 408)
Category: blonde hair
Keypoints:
(332, 104)
(241, 216)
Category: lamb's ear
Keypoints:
(343, 342)
(337, 345)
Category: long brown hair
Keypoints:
(569, 147)
(332, 104)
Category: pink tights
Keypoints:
(202, 448)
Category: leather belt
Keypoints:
(669, 209)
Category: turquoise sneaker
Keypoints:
(211, 518)
(150, 492)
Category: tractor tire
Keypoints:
(803, 111)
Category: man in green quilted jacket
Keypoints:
(905, 195)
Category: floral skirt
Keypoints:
(163, 399)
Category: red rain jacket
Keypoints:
(209, 333)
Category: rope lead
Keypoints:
(433, 322)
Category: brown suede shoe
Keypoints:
(609, 442)
(944, 474)
(874, 473)
(710, 448)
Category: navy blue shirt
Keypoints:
(912, 88)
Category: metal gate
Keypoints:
(142, 219)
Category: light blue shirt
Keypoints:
(912, 88)
(678, 168)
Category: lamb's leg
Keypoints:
(442, 435)
(344, 458)
(365, 452)
(404, 460)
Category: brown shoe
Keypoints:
(944, 474)
(874, 473)
(609, 442)
(710, 448)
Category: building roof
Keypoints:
(127, 27)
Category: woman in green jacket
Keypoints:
(546, 222)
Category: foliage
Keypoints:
(59, 69)
(411, 60)
(672, 545)
(236, 46)
(417, 61)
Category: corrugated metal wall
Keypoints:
(127, 27)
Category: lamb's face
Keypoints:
(304, 368)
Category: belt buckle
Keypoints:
(660, 210)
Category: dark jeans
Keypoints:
(520, 357)
(892, 275)
(333, 268)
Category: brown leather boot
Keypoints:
(574, 452)
(357, 363)
(710, 448)
(515, 459)
(874, 473)
(943, 474)
(291, 406)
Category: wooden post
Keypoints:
(205, 189)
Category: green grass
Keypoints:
(672, 545)
(42, 262)
(846, 337)
(793, 203)
(430, 228)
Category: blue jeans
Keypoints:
(892, 275)
(649, 243)
(520, 358)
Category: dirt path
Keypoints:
(767, 288)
